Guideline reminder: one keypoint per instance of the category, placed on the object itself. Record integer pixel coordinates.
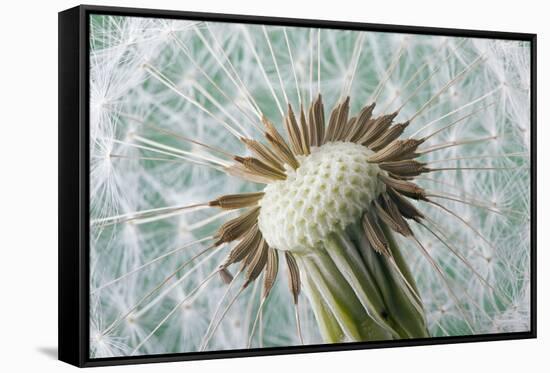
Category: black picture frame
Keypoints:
(73, 75)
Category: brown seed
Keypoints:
(363, 123)
(375, 235)
(365, 114)
(237, 201)
(240, 171)
(279, 144)
(407, 209)
(273, 131)
(388, 136)
(293, 276)
(283, 151)
(343, 114)
(312, 126)
(264, 153)
(380, 125)
(271, 269)
(249, 243)
(350, 125)
(237, 227)
(337, 121)
(404, 187)
(256, 263)
(396, 150)
(406, 168)
(225, 275)
(316, 121)
(293, 132)
(255, 166)
(304, 132)
(398, 223)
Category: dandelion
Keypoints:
(385, 176)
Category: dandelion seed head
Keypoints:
(331, 189)
(125, 100)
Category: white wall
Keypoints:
(28, 187)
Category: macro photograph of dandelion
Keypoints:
(261, 185)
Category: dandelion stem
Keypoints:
(328, 324)
(345, 307)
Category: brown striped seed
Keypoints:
(406, 168)
(388, 136)
(376, 129)
(256, 263)
(406, 208)
(317, 122)
(249, 243)
(237, 201)
(404, 187)
(293, 276)
(397, 150)
(375, 235)
(237, 227)
(271, 269)
(264, 153)
(255, 166)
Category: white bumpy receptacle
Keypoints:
(330, 190)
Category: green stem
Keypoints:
(359, 295)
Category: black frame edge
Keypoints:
(533, 155)
(74, 188)
(70, 215)
(304, 22)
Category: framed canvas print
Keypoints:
(235, 186)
